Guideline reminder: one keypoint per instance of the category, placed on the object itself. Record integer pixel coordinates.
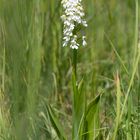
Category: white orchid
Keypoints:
(73, 14)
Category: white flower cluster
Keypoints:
(73, 15)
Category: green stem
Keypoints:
(75, 62)
(75, 93)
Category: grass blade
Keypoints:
(55, 123)
(118, 106)
(92, 119)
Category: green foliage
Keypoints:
(91, 121)
(44, 96)
(55, 123)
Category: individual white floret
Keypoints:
(84, 41)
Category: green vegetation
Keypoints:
(48, 92)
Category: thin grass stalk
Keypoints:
(136, 62)
(117, 107)
(34, 67)
(3, 58)
(4, 110)
(128, 127)
(136, 30)
(131, 83)
(117, 54)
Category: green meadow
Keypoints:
(50, 92)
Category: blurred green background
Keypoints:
(35, 69)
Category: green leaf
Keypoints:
(55, 123)
(91, 120)
(79, 103)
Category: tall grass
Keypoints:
(50, 92)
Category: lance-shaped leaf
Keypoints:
(91, 119)
(79, 103)
(55, 123)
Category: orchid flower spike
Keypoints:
(73, 16)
